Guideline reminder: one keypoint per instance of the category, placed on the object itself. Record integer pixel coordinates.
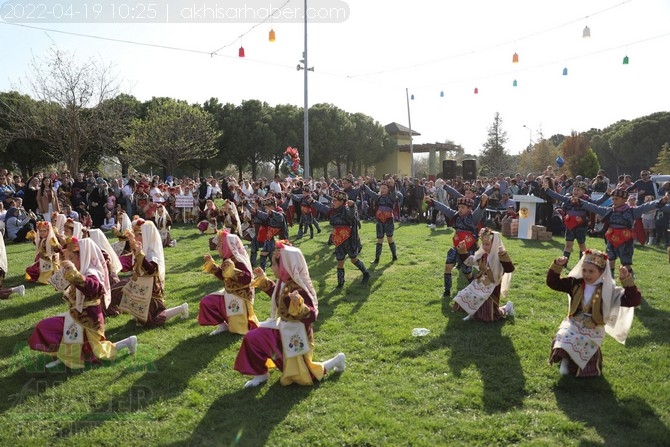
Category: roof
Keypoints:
(427, 147)
(395, 128)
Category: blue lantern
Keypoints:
(559, 161)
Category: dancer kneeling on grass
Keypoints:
(47, 260)
(4, 293)
(231, 308)
(481, 298)
(78, 335)
(143, 295)
(286, 339)
(595, 307)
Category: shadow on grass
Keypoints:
(19, 306)
(163, 379)
(478, 344)
(656, 321)
(593, 402)
(232, 420)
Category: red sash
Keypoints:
(340, 234)
(383, 216)
(262, 235)
(466, 236)
(572, 222)
(618, 236)
(272, 232)
(306, 210)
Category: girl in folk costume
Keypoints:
(231, 308)
(481, 298)
(78, 336)
(248, 232)
(596, 306)
(46, 256)
(465, 222)
(111, 260)
(58, 223)
(122, 246)
(208, 218)
(163, 222)
(231, 218)
(72, 228)
(143, 295)
(4, 293)
(286, 339)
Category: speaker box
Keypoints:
(469, 169)
(448, 169)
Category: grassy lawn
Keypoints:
(465, 383)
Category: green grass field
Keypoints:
(465, 383)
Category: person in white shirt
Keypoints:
(275, 185)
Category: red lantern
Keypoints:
(240, 53)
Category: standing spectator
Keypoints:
(643, 186)
(204, 193)
(47, 201)
(98, 202)
(129, 195)
(30, 194)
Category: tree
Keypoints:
(248, 137)
(20, 144)
(662, 165)
(71, 124)
(494, 157)
(574, 149)
(538, 157)
(330, 130)
(286, 125)
(117, 116)
(172, 134)
(587, 165)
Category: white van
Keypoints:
(658, 183)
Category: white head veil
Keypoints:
(3, 255)
(618, 319)
(493, 261)
(236, 247)
(152, 246)
(102, 242)
(92, 262)
(293, 262)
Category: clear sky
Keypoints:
(367, 53)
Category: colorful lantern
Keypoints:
(272, 37)
(625, 60)
(565, 71)
(515, 58)
(514, 84)
(240, 53)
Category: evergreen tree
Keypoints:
(494, 158)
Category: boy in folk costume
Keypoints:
(343, 220)
(576, 218)
(386, 202)
(286, 339)
(78, 336)
(596, 306)
(307, 219)
(272, 223)
(481, 298)
(619, 220)
(231, 308)
(46, 257)
(465, 222)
